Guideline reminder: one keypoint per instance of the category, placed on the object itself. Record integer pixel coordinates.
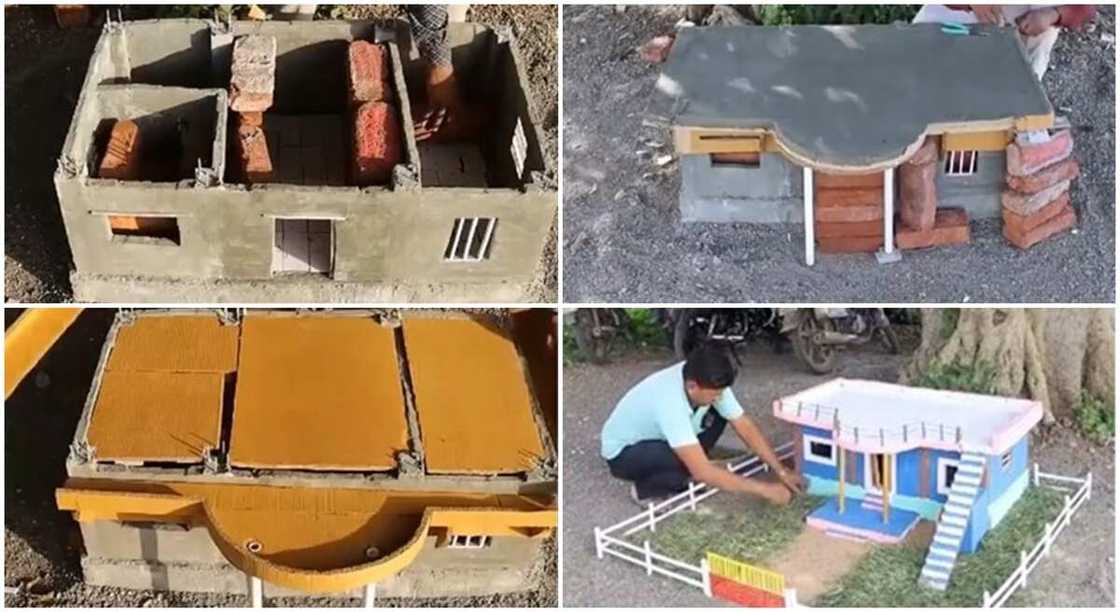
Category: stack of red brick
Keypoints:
(378, 135)
(1036, 202)
(252, 81)
(848, 211)
(122, 155)
(921, 224)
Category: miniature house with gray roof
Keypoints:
(830, 126)
(190, 219)
(888, 456)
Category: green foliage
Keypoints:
(645, 329)
(810, 14)
(572, 352)
(979, 377)
(889, 575)
(1095, 418)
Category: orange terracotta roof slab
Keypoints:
(318, 393)
(175, 344)
(156, 416)
(472, 398)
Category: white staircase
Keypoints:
(954, 519)
(873, 501)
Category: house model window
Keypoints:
(819, 450)
(468, 541)
(736, 160)
(961, 163)
(470, 239)
(946, 473)
(1005, 460)
(149, 230)
(303, 246)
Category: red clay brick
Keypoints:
(950, 227)
(122, 154)
(1025, 204)
(862, 229)
(1023, 224)
(850, 244)
(1026, 159)
(377, 143)
(250, 119)
(1060, 222)
(256, 163)
(848, 214)
(827, 198)
(368, 73)
(917, 205)
(1061, 171)
(72, 15)
(848, 181)
(656, 50)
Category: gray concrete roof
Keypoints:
(850, 96)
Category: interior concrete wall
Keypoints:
(176, 558)
(770, 193)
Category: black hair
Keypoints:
(710, 366)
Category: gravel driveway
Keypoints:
(624, 241)
(1079, 571)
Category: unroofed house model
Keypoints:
(317, 452)
(888, 456)
(265, 161)
(843, 127)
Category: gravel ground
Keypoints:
(42, 546)
(44, 70)
(624, 242)
(1079, 572)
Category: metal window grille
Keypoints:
(470, 239)
(961, 163)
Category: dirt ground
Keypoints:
(624, 241)
(44, 70)
(42, 546)
(1079, 571)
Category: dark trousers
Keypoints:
(653, 466)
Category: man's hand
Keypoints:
(988, 13)
(794, 482)
(773, 492)
(1033, 23)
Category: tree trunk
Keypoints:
(1050, 355)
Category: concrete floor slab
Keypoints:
(851, 96)
(317, 393)
(156, 416)
(179, 343)
(472, 396)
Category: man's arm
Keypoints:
(752, 436)
(701, 470)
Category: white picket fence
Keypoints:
(609, 542)
(1028, 560)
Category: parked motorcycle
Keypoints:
(818, 334)
(596, 330)
(692, 327)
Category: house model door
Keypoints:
(873, 464)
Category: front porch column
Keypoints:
(888, 211)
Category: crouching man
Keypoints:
(660, 433)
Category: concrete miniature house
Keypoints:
(182, 478)
(187, 222)
(889, 456)
(811, 124)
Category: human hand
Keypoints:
(775, 493)
(445, 125)
(794, 482)
(1033, 23)
(988, 13)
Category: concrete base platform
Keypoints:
(167, 557)
(103, 288)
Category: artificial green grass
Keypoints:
(752, 535)
(888, 576)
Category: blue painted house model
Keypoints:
(888, 456)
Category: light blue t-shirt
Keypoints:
(658, 409)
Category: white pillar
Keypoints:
(807, 196)
(369, 595)
(888, 211)
(256, 591)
